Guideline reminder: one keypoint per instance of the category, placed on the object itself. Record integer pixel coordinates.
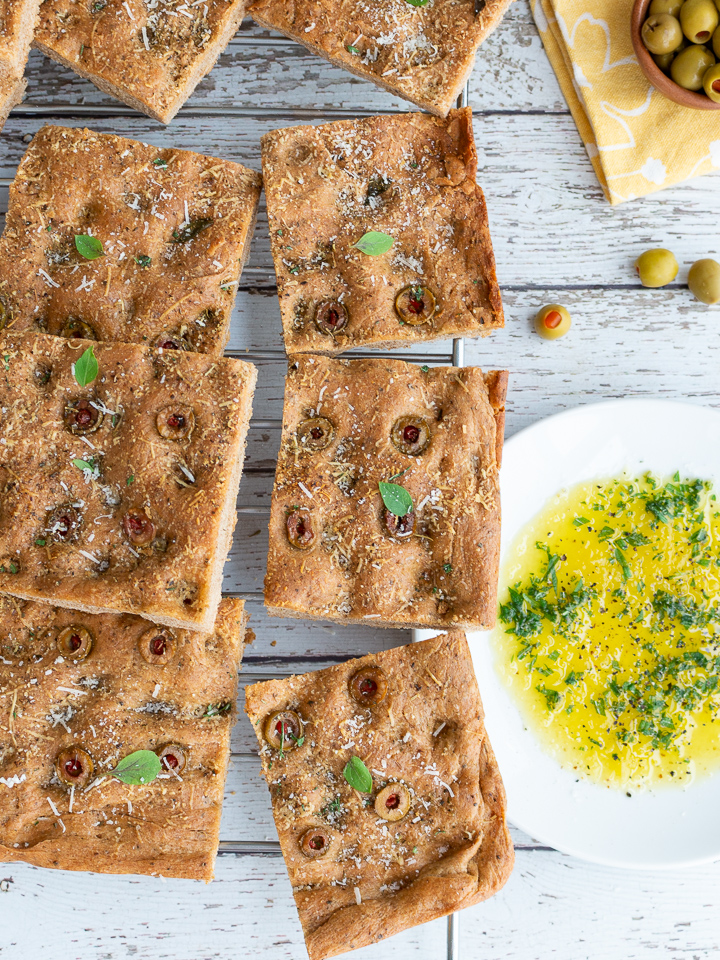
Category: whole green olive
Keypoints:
(552, 321)
(699, 20)
(662, 33)
(716, 43)
(704, 281)
(689, 66)
(665, 6)
(711, 82)
(656, 267)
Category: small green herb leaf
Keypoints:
(88, 247)
(358, 775)
(143, 260)
(374, 243)
(396, 498)
(40, 542)
(139, 767)
(160, 163)
(83, 464)
(580, 521)
(130, 479)
(417, 3)
(447, 567)
(620, 557)
(353, 50)
(85, 369)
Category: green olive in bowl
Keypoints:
(689, 66)
(662, 33)
(699, 20)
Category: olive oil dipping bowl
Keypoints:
(661, 81)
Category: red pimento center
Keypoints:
(176, 421)
(136, 524)
(317, 433)
(411, 434)
(553, 320)
(170, 760)
(84, 417)
(75, 642)
(333, 317)
(73, 767)
(63, 526)
(716, 86)
(283, 729)
(703, 36)
(392, 802)
(158, 646)
(368, 687)
(316, 843)
(169, 345)
(416, 303)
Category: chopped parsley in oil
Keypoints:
(609, 628)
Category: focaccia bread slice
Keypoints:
(423, 53)
(150, 55)
(410, 177)
(427, 836)
(174, 229)
(17, 24)
(336, 551)
(78, 693)
(119, 496)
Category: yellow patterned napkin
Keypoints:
(637, 140)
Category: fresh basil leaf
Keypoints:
(417, 3)
(358, 775)
(85, 369)
(89, 247)
(373, 243)
(83, 464)
(395, 498)
(139, 767)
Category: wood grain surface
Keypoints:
(556, 239)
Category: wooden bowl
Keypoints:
(662, 83)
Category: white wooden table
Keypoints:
(556, 239)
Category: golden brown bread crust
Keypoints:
(17, 23)
(150, 56)
(445, 574)
(452, 849)
(68, 532)
(409, 176)
(18, 19)
(122, 704)
(135, 199)
(423, 54)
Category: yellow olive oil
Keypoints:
(608, 633)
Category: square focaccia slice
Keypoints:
(150, 55)
(81, 692)
(425, 834)
(422, 53)
(408, 177)
(169, 232)
(338, 550)
(119, 496)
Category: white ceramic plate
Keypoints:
(662, 829)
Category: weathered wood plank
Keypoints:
(552, 906)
